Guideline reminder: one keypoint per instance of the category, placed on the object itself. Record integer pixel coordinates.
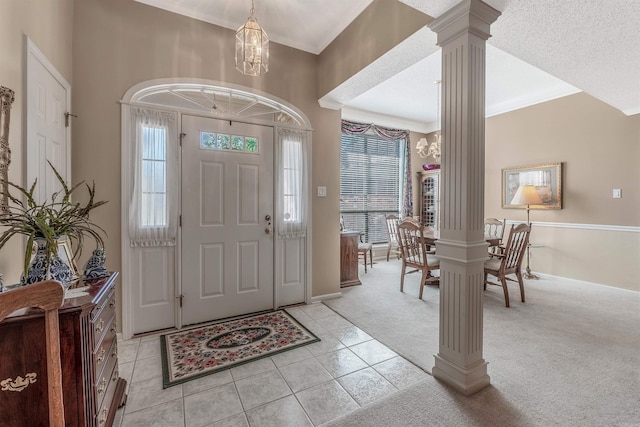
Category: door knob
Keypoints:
(268, 230)
(267, 217)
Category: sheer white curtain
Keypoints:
(292, 184)
(153, 210)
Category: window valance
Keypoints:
(354, 128)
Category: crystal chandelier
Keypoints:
(252, 47)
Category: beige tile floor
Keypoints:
(307, 386)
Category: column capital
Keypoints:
(468, 16)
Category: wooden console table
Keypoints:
(349, 258)
(92, 388)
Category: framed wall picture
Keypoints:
(66, 255)
(547, 180)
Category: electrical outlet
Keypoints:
(322, 191)
(617, 193)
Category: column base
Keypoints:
(467, 381)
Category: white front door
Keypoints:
(47, 130)
(227, 217)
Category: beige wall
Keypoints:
(378, 29)
(600, 150)
(49, 25)
(120, 43)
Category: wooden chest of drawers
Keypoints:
(349, 258)
(92, 388)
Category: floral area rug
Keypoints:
(203, 350)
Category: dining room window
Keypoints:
(371, 179)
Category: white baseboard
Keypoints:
(321, 298)
(578, 281)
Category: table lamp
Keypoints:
(527, 195)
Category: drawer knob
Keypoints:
(100, 326)
(101, 355)
(103, 386)
(103, 417)
(112, 303)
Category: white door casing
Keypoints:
(48, 136)
(227, 222)
(159, 269)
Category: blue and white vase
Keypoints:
(94, 268)
(37, 272)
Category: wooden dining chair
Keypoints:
(414, 253)
(510, 261)
(392, 233)
(495, 228)
(49, 296)
(364, 250)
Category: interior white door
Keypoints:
(47, 133)
(227, 211)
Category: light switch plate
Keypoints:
(617, 193)
(322, 191)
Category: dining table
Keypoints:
(431, 236)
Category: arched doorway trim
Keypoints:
(217, 99)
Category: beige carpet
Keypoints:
(569, 356)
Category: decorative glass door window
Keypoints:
(219, 141)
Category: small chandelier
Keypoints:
(426, 149)
(252, 47)
(435, 148)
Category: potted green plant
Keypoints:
(46, 222)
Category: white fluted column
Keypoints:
(462, 34)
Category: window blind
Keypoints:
(370, 183)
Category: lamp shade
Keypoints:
(526, 195)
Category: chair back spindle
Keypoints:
(493, 227)
(516, 246)
(392, 233)
(510, 261)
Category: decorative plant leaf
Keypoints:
(50, 219)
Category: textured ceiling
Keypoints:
(593, 45)
(539, 50)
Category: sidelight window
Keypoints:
(154, 196)
(292, 183)
(154, 176)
